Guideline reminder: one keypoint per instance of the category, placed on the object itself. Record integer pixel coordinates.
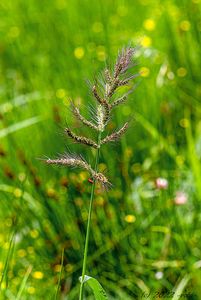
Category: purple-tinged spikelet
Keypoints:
(124, 60)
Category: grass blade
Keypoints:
(181, 286)
(23, 284)
(20, 125)
(59, 282)
(98, 290)
(9, 253)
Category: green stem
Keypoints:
(89, 221)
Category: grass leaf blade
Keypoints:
(98, 290)
(20, 125)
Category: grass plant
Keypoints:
(104, 91)
(145, 232)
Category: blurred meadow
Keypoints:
(145, 238)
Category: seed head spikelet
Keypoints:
(73, 160)
(121, 99)
(102, 179)
(126, 81)
(78, 115)
(115, 135)
(104, 103)
(96, 94)
(123, 61)
(108, 76)
(80, 139)
(70, 161)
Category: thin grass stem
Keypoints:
(89, 221)
(8, 256)
(23, 284)
(60, 274)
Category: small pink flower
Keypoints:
(161, 183)
(181, 198)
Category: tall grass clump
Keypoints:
(106, 91)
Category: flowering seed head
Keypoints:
(103, 91)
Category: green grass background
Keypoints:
(48, 50)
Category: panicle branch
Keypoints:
(70, 161)
(115, 135)
(96, 95)
(78, 115)
(126, 81)
(80, 139)
(78, 161)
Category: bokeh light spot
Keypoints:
(149, 24)
(101, 53)
(144, 71)
(179, 160)
(38, 275)
(1, 265)
(184, 123)
(97, 27)
(79, 52)
(185, 25)
(34, 233)
(57, 268)
(146, 41)
(17, 193)
(181, 72)
(60, 93)
(122, 11)
(21, 253)
(130, 218)
(69, 268)
(14, 32)
(31, 290)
